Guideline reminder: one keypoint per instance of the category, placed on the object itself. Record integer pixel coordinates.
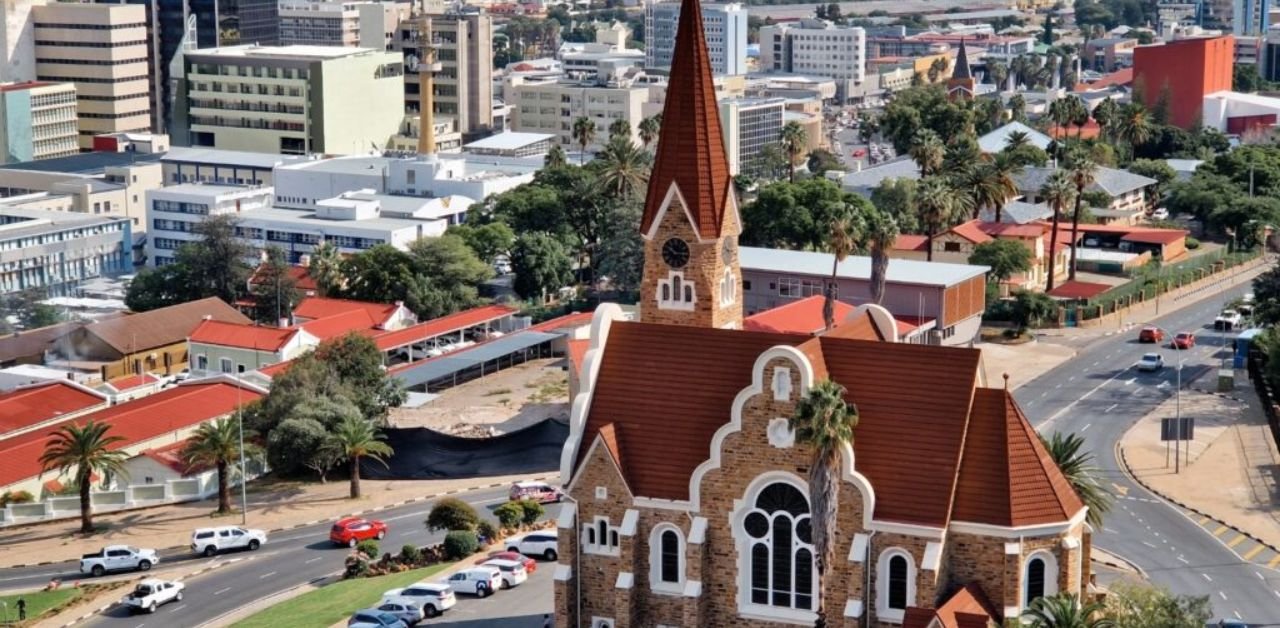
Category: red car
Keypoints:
(352, 530)
(1184, 340)
(1151, 334)
(530, 565)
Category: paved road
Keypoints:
(1099, 395)
(522, 607)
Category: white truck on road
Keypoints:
(118, 558)
(152, 594)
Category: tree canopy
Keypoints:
(1005, 258)
(215, 265)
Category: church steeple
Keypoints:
(690, 223)
(961, 85)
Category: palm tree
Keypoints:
(825, 422)
(218, 444)
(1076, 464)
(991, 184)
(326, 269)
(649, 129)
(1132, 126)
(584, 132)
(936, 69)
(793, 140)
(555, 157)
(87, 450)
(880, 232)
(1058, 192)
(998, 72)
(1016, 140)
(1060, 115)
(355, 438)
(1079, 114)
(841, 243)
(1106, 114)
(1083, 171)
(626, 167)
(1065, 611)
(928, 151)
(936, 202)
(620, 128)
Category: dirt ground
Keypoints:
(503, 402)
(1022, 363)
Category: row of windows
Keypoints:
(248, 123)
(86, 79)
(139, 96)
(167, 244)
(246, 88)
(116, 116)
(180, 207)
(92, 27)
(92, 61)
(247, 106)
(90, 44)
(253, 71)
(163, 224)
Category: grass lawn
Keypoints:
(327, 605)
(37, 603)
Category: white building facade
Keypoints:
(723, 25)
(818, 48)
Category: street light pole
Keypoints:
(244, 473)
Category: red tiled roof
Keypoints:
(1007, 477)
(909, 242)
(1078, 290)
(321, 307)
(443, 325)
(257, 337)
(797, 317)
(1120, 77)
(966, 608)
(171, 456)
(691, 150)
(133, 381)
(358, 321)
(578, 353)
(136, 421)
(1006, 229)
(971, 231)
(31, 405)
(275, 369)
(575, 319)
(299, 274)
(1155, 236)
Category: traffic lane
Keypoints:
(525, 606)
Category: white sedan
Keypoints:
(1151, 362)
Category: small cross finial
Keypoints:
(1006, 381)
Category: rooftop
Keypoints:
(996, 140)
(36, 403)
(1113, 181)
(183, 154)
(294, 51)
(443, 325)
(313, 308)
(242, 336)
(508, 141)
(856, 267)
(86, 163)
(162, 326)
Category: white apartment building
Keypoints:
(302, 185)
(363, 24)
(817, 48)
(37, 121)
(584, 60)
(293, 100)
(553, 106)
(723, 25)
(102, 49)
(56, 250)
(17, 41)
(750, 125)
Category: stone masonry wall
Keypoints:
(705, 269)
(599, 573)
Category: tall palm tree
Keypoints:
(1058, 192)
(1106, 114)
(991, 184)
(998, 72)
(841, 242)
(555, 157)
(1064, 610)
(626, 167)
(1079, 114)
(326, 269)
(880, 232)
(218, 444)
(355, 438)
(583, 132)
(1133, 126)
(1083, 171)
(620, 128)
(928, 151)
(85, 450)
(1076, 463)
(1016, 140)
(793, 140)
(936, 202)
(649, 129)
(1005, 167)
(825, 423)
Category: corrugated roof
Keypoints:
(321, 307)
(797, 317)
(34, 342)
(443, 325)
(130, 382)
(971, 231)
(34, 404)
(358, 321)
(902, 271)
(256, 337)
(163, 326)
(1156, 236)
(996, 140)
(910, 242)
(1078, 290)
(1110, 180)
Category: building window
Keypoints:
(728, 288)
(225, 365)
(600, 538)
(666, 559)
(674, 293)
(951, 247)
(895, 584)
(202, 363)
(776, 553)
(1039, 577)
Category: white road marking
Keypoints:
(266, 575)
(1085, 428)
(177, 608)
(1224, 595)
(1148, 545)
(1184, 561)
(1206, 577)
(1130, 381)
(1071, 405)
(1110, 407)
(221, 591)
(314, 559)
(1259, 576)
(34, 575)
(1058, 386)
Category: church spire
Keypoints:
(962, 71)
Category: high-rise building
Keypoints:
(17, 39)
(750, 125)
(818, 48)
(290, 99)
(724, 27)
(462, 43)
(258, 22)
(1250, 17)
(37, 121)
(1188, 70)
(103, 49)
(336, 23)
(553, 106)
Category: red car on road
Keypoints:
(352, 530)
(530, 565)
(1151, 334)
(1184, 340)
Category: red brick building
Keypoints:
(1190, 68)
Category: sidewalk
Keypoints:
(272, 506)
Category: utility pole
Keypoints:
(244, 472)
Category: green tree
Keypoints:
(1005, 258)
(936, 200)
(353, 440)
(1157, 169)
(85, 450)
(1132, 605)
(649, 128)
(1244, 219)
(325, 269)
(928, 152)
(1064, 610)
(488, 240)
(217, 444)
(1031, 309)
(621, 251)
(793, 141)
(296, 444)
(821, 160)
(1245, 78)
(1083, 171)
(879, 232)
(583, 132)
(353, 364)
(625, 167)
(1068, 451)
(275, 293)
(1266, 293)
(158, 287)
(541, 265)
(215, 263)
(555, 157)
(381, 274)
(1047, 37)
(1058, 192)
(31, 311)
(1133, 127)
(824, 422)
(452, 513)
(798, 216)
(896, 197)
(991, 183)
(620, 129)
(447, 276)
(1018, 108)
(841, 243)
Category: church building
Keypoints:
(687, 497)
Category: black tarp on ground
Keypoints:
(425, 454)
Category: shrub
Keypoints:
(459, 544)
(357, 565)
(452, 513)
(410, 555)
(488, 531)
(532, 511)
(509, 514)
(1192, 243)
(368, 547)
(16, 497)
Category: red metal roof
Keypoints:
(907, 242)
(133, 381)
(691, 150)
(797, 317)
(1156, 236)
(1078, 290)
(1122, 76)
(1006, 229)
(299, 274)
(255, 337)
(322, 307)
(443, 325)
(971, 231)
(575, 319)
(31, 405)
(171, 456)
(358, 321)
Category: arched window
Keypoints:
(895, 584)
(688, 293)
(1039, 576)
(898, 583)
(1035, 579)
(666, 559)
(779, 547)
(666, 292)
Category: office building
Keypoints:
(54, 251)
(584, 60)
(724, 27)
(363, 24)
(463, 86)
(818, 48)
(103, 50)
(293, 100)
(301, 185)
(1250, 17)
(1188, 69)
(750, 125)
(17, 41)
(553, 106)
(37, 121)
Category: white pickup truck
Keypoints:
(152, 594)
(1228, 320)
(118, 558)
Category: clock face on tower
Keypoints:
(675, 252)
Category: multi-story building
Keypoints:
(1108, 54)
(584, 60)
(462, 43)
(359, 23)
(724, 27)
(1188, 69)
(818, 48)
(103, 49)
(37, 121)
(291, 99)
(750, 125)
(1250, 17)
(54, 251)
(552, 106)
(17, 41)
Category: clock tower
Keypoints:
(691, 222)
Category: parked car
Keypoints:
(1184, 340)
(183, 375)
(352, 530)
(512, 571)
(405, 612)
(1151, 334)
(1151, 362)
(535, 544)
(1160, 214)
(151, 594)
(530, 565)
(210, 541)
(1227, 320)
(433, 598)
(541, 492)
(1231, 623)
(374, 618)
(478, 581)
(118, 558)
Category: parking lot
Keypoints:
(522, 607)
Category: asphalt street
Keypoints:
(1099, 395)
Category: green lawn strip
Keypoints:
(327, 605)
(37, 603)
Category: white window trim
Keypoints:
(1050, 575)
(676, 302)
(883, 612)
(656, 583)
(742, 507)
(728, 288)
(601, 547)
(601, 622)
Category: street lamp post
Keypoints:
(244, 472)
